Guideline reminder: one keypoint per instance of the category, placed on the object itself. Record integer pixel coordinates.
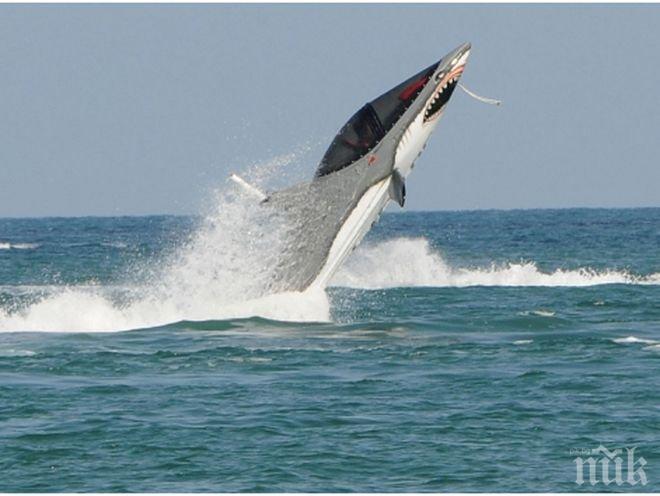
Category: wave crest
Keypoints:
(410, 262)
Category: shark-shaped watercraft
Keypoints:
(363, 169)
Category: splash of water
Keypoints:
(221, 272)
(412, 262)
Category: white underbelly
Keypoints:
(355, 227)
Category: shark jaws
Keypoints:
(364, 168)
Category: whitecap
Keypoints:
(412, 262)
(633, 339)
(18, 246)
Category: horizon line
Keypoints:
(395, 212)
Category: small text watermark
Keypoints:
(603, 466)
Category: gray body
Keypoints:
(315, 211)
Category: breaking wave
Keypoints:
(409, 262)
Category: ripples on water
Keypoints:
(455, 352)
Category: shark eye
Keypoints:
(438, 76)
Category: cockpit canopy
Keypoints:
(371, 123)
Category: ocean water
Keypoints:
(455, 351)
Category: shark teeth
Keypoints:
(449, 83)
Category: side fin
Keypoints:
(397, 189)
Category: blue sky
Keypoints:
(138, 109)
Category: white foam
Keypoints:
(633, 339)
(11, 352)
(18, 246)
(409, 262)
(521, 342)
(221, 272)
(73, 310)
(543, 313)
(538, 313)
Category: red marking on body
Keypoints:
(372, 159)
(412, 88)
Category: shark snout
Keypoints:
(453, 60)
(446, 78)
(462, 54)
(465, 47)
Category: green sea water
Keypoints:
(455, 351)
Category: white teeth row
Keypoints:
(437, 95)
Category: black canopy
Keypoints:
(371, 123)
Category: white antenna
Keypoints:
(248, 187)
